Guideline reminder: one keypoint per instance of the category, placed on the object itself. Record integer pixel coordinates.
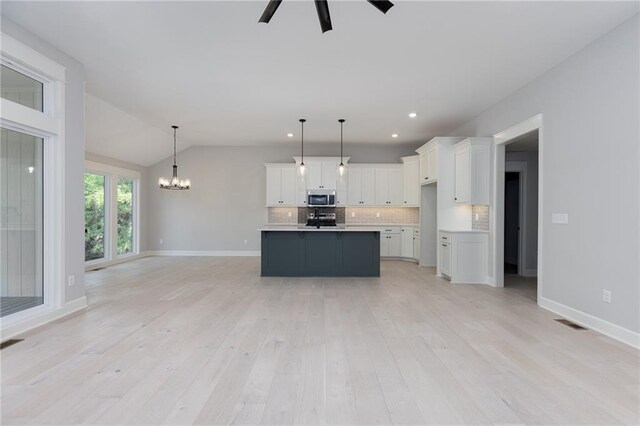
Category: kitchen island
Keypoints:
(302, 251)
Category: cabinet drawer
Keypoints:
(390, 230)
(444, 237)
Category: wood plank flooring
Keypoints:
(207, 341)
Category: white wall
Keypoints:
(227, 201)
(589, 166)
(74, 154)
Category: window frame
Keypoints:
(107, 216)
(49, 125)
(112, 173)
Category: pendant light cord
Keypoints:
(174, 145)
(302, 120)
(341, 123)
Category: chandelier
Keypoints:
(175, 183)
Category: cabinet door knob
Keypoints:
(455, 198)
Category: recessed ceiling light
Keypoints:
(395, 135)
(289, 135)
(413, 114)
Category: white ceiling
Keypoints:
(227, 80)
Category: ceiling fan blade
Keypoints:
(323, 15)
(382, 5)
(269, 11)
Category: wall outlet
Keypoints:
(71, 280)
(353, 214)
(477, 217)
(161, 241)
(289, 216)
(245, 242)
(560, 218)
(377, 214)
(606, 296)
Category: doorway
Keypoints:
(512, 223)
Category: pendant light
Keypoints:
(175, 183)
(302, 167)
(341, 167)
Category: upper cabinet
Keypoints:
(360, 186)
(472, 162)
(388, 186)
(428, 162)
(321, 175)
(411, 180)
(281, 184)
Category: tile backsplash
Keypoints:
(284, 215)
(387, 215)
(482, 223)
(348, 215)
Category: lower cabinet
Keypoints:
(462, 256)
(406, 237)
(416, 243)
(390, 244)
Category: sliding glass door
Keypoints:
(21, 222)
(125, 216)
(95, 235)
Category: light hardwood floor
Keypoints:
(207, 341)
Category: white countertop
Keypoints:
(339, 228)
(467, 231)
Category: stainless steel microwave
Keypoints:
(321, 198)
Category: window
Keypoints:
(111, 213)
(125, 215)
(20, 88)
(21, 222)
(94, 216)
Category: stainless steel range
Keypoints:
(318, 219)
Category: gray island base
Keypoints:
(325, 253)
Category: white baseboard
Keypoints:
(14, 328)
(116, 261)
(203, 253)
(607, 328)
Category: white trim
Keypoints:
(520, 167)
(36, 121)
(19, 54)
(92, 265)
(203, 253)
(614, 331)
(12, 327)
(497, 208)
(93, 166)
(533, 123)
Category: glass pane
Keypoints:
(125, 216)
(21, 213)
(93, 216)
(21, 89)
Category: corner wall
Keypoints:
(589, 166)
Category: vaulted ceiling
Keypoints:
(211, 68)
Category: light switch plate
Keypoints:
(560, 218)
(71, 280)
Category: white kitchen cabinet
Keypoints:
(388, 186)
(390, 243)
(428, 162)
(472, 171)
(360, 186)
(416, 243)
(411, 181)
(281, 185)
(406, 240)
(321, 175)
(462, 256)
